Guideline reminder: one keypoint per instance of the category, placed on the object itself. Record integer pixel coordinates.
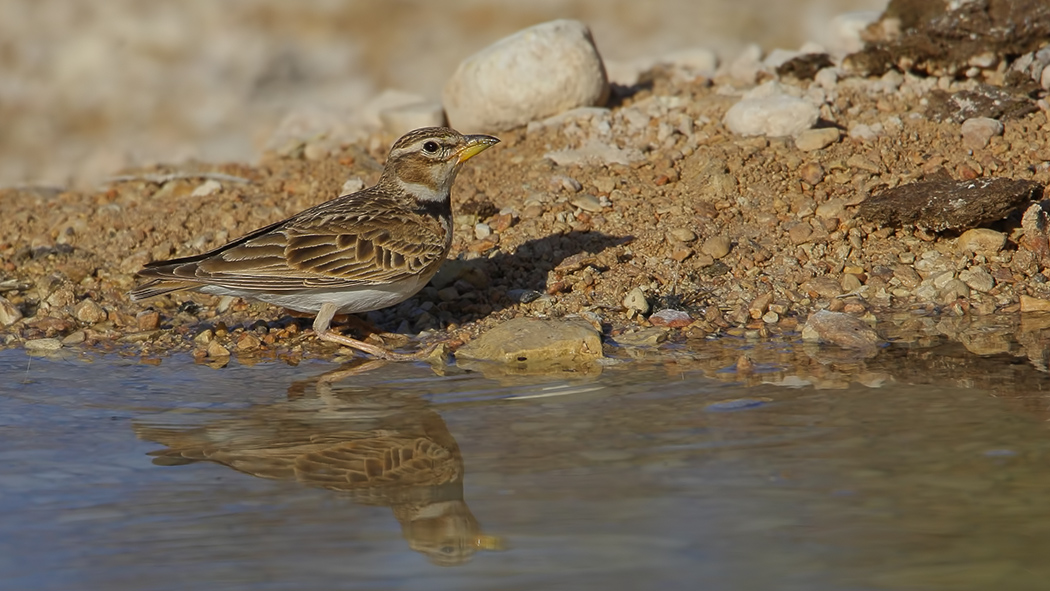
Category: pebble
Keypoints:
(683, 234)
(352, 185)
(75, 338)
(841, 329)
(482, 230)
(716, 246)
(147, 320)
(88, 312)
(953, 290)
(43, 345)
(765, 110)
(977, 132)
(671, 318)
(646, 337)
(811, 173)
(535, 73)
(636, 300)
(404, 118)
(977, 279)
(864, 132)
(248, 342)
(534, 340)
(746, 66)
(980, 240)
(771, 317)
(850, 283)
(9, 313)
(215, 350)
(817, 139)
(208, 187)
(587, 202)
(1044, 78)
(1031, 304)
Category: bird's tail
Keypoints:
(156, 287)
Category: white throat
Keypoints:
(425, 193)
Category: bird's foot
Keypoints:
(375, 350)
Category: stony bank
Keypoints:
(690, 201)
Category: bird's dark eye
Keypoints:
(431, 147)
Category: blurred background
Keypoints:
(90, 87)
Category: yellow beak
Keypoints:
(475, 145)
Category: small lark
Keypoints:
(358, 252)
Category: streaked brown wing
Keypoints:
(364, 242)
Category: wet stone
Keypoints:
(147, 320)
(42, 345)
(949, 205)
(525, 340)
(977, 279)
(671, 318)
(840, 329)
(215, 350)
(88, 312)
(1031, 304)
(9, 313)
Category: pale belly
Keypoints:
(348, 300)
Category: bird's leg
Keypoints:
(325, 333)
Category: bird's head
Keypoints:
(424, 162)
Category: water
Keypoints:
(116, 474)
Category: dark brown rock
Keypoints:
(949, 205)
(940, 38)
(983, 101)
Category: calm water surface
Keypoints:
(120, 475)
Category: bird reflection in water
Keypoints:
(380, 447)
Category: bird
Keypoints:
(362, 251)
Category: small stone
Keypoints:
(716, 247)
(43, 345)
(811, 173)
(977, 132)
(216, 351)
(75, 338)
(567, 183)
(204, 337)
(1044, 78)
(315, 151)
(981, 240)
(1030, 304)
(538, 341)
(683, 234)
(817, 139)
(207, 188)
(863, 132)
(352, 185)
(482, 231)
(765, 110)
(88, 312)
(636, 300)
(840, 329)
(800, 232)
(681, 254)
(850, 283)
(832, 209)
(822, 287)
(587, 202)
(9, 313)
(671, 318)
(646, 337)
(147, 320)
(954, 290)
(771, 317)
(248, 342)
(538, 72)
(977, 279)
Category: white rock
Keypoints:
(535, 73)
(482, 230)
(977, 132)
(844, 31)
(689, 63)
(206, 188)
(747, 65)
(1044, 78)
(827, 78)
(779, 57)
(402, 119)
(771, 114)
(352, 185)
(865, 132)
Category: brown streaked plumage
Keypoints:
(358, 252)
